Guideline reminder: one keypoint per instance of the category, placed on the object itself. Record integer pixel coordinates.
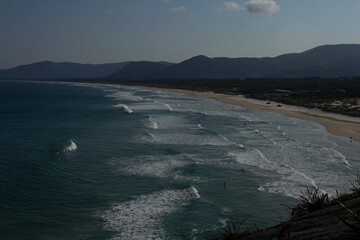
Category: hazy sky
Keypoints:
(99, 31)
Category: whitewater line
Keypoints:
(260, 133)
(165, 104)
(337, 153)
(71, 147)
(312, 181)
(230, 142)
(125, 107)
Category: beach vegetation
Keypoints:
(237, 230)
(311, 201)
(355, 188)
(344, 197)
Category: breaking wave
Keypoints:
(290, 178)
(153, 124)
(142, 217)
(71, 147)
(164, 104)
(125, 107)
(337, 153)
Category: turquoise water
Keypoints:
(104, 162)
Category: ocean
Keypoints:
(81, 161)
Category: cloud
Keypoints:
(109, 12)
(262, 6)
(179, 9)
(231, 6)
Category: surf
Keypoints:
(142, 217)
(124, 107)
(71, 147)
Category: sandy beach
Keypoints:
(337, 124)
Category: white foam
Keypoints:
(199, 126)
(148, 106)
(226, 210)
(168, 106)
(154, 125)
(310, 180)
(192, 110)
(168, 121)
(337, 153)
(125, 107)
(71, 147)
(196, 192)
(193, 234)
(159, 166)
(262, 134)
(290, 179)
(187, 139)
(124, 95)
(246, 118)
(282, 132)
(232, 143)
(262, 156)
(165, 104)
(223, 221)
(142, 218)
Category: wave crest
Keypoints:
(71, 147)
(125, 107)
(142, 218)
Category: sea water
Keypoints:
(84, 161)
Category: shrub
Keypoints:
(356, 186)
(311, 202)
(236, 230)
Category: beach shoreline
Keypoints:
(337, 124)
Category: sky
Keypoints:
(106, 31)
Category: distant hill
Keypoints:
(328, 61)
(200, 67)
(139, 70)
(324, 61)
(48, 70)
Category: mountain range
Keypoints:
(327, 61)
(64, 70)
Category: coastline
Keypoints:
(337, 124)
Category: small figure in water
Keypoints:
(224, 184)
(351, 139)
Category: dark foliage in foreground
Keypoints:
(236, 230)
(312, 201)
